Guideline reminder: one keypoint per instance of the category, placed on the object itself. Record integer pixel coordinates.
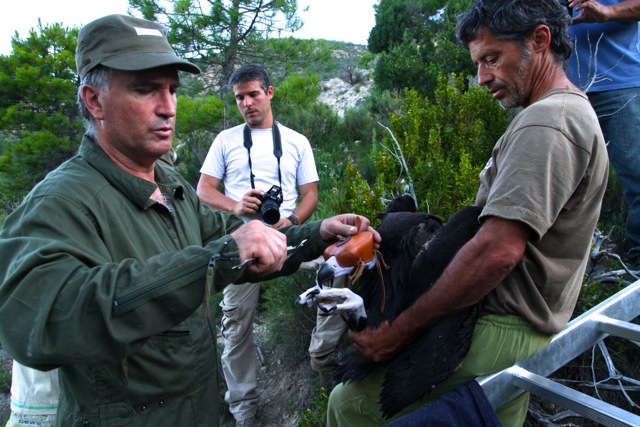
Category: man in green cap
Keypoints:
(109, 263)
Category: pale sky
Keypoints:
(343, 20)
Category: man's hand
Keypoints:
(377, 344)
(284, 222)
(249, 204)
(340, 227)
(267, 247)
(589, 11)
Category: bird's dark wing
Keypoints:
(427, 362)
(403, 235)
(398, 230)
(438, 353)
(418, 249)
(401, 203)
(439, 250)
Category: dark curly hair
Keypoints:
(515, 20)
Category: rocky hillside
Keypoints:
(347, 85)
(340, 94)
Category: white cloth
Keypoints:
(228, 160)
(34, 392)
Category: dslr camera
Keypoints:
(270, 207)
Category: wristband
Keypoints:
(294, 220)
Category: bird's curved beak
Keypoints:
(325, 274)
(330, 270)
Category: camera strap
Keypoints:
(277, 149)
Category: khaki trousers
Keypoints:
(239, 357)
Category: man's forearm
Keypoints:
(628, 10)
(476, 270)
(305, 209)
(217, 200)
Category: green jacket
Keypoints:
(108, 285)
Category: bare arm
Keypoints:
(306, 207)
(592, 11)
(209, 193)
(308, 201)
(477, 269)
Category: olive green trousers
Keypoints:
(498, 342)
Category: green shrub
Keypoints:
(27, 158)
(5, 389)
(316, 121)
(404, 67)
(191, 152)
(613, 215)
(357, 196)
(380, 104)
(316, 415)
(5, 381)
(445, 143)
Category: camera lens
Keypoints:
(270, 208)
(270, 211)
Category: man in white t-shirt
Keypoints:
(250, 159)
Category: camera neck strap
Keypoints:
(277, 149)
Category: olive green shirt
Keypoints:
(108, 285)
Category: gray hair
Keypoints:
(515, 20)
(250, 73)
(100, 78)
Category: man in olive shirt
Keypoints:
(109, 263)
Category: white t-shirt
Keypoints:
(228, 160)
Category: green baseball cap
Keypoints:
(126, 43)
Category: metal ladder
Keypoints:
(611, 317)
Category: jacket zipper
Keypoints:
(118, 303)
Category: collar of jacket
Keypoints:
(136, 189)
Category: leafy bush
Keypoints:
(39, 122)
(316, 415)
(416, 42)
(5, 381)
(445, 144)
(613, 214)
(26, 159)
(404, 67)
(356, 195)
(198, 121)
(380, 104)
(296, 91)
(316, 121)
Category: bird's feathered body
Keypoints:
(416, 247)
